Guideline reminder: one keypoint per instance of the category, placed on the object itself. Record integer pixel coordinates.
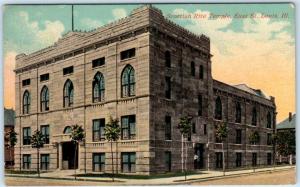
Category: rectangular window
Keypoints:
(44, 77)
(128, 162)
(45, 161)
(168, 87)
(98, 62)
(99, 162)
(269, 139)
(68, 70)
(26, 161)
(269, 158)
(26, 135)
(45, 132)
(128, 54)
(204, 129)
(219, 160)
(168, 128)
(194, 128)
(168, 161)
(254, 159)
(26, 82)
(128, 127)
(238, 161)
(238, 136)
(201, 72)
(199, 105)
(98, 130)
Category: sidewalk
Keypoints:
(202, 176)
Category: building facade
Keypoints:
(9, 125)
(147, 72)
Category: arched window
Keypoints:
(98, 88)
(218, 109)
(269, 120)
(201, 72)
(193, 68)
(68, 93)
(45, 99)
(128, 81)
(168, 59)
(26, 102)
(67, 130)
(238, 113)
(254, 116)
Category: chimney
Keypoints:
(290, 116)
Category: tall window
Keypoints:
(238, 113)
(128, 127)
(128, 162)
(238, 136)
(98, 88)
(168, 87)
(26, 161)
(201, 72)
(194, 128)
(238, 161)
(254, 116)
(26, 102)
(128, 81)
(269, 120)
(193, 71)
(168, 161)
(269, 139)
(45, 99)
(26, 135)
(45, 161)
(218, 109)
(99, 162)
(98, 130)
(168, 59)
(68, 93)
(269, 158)
(204, 129)
(199, 105)
(254, 159)
(168, 127)
(45, 132)
(219, 160)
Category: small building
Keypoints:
(9, 124)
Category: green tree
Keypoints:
(11, 139)
(285, 143)
(221, 134)
(184, 126)
(77, 135)
(112, 132)
(38, 141)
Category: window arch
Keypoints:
(68, 93)
(98, 87)
(269, 120)
(67, 130)
(254, 116)
(26, 102)
(128, 81)
(45, 99)
(193, 68)
(168, 59)
(218, 108)
(201, 72)
(238, 112)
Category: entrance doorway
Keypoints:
(198, 156)
(68, 156)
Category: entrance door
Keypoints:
(68, 151)
(198, 156)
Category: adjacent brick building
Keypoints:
(146, 71)
(9, 124)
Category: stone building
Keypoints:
(146, 71)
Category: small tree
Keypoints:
(77, 135)
(285, 143)
(38, 141)
(184, 126)
(11, 139)
(221, 134)
(112, 133)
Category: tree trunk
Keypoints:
(112, 162)
(291, 159)
(75, 160)
(182, 167)
(38, 161)
(223, 158)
